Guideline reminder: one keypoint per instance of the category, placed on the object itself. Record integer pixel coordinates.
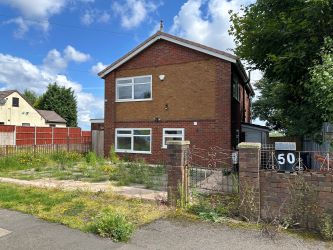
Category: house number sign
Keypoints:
(285, 154)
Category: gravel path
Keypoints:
(128, 191)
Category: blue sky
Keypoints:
(69, 41)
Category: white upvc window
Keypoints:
(133, 140)
(172, 134)
(138, 88)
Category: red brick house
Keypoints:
(169, 88)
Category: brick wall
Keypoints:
(273, 189)
(202, 135)
(275, 195)
(197, 87)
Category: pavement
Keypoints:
(27, 232)
(137, 191)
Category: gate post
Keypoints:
(177, 152)
(249, 179)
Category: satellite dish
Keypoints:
(3, 101)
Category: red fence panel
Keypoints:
(47, 135)
(44, 136)
(7, 128)
(25, 135)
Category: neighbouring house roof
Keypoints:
(255, 126)
(4, 94)
(183, 42)
(51, 116)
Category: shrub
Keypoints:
(113, 155)
(112, 225)
(326, 227)
(91, 158)
(66, 158)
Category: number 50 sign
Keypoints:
(285, 156)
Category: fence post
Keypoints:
(249, 179)
(177, 172)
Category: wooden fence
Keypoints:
(19, 136)
(9, 150)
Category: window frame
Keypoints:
(171, 136)
(235, 87)
(18, 102)
(132, 85)
(131, 135)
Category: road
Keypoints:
(20, 231)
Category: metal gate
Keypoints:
(213, 170)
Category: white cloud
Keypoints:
(56, 61)
(91, 16)
(18, 73)
(207, 22)
(33, 14)
(133, 12)
(95, 69)
(71, 54)
(37, 8)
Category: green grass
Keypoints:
(82, 210)
(73, 166)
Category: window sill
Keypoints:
(136, 100)
(133, 152)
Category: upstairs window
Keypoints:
(138, 88)
(16, 102)
(235, 87)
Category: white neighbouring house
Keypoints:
(15, 110)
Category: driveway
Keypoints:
(21, 231)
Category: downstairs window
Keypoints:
(129, 140)
(172, 134)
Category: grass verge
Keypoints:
(106, 214)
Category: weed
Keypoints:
(113, 155)
(214, 206)
(112, 225)
(91, 158)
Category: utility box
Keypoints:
(286, 157)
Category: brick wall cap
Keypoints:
(178, 143)
(249, 145)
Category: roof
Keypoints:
(4, 94)
(101, 120)
(51, 116)
(183, 42)
(255, 126)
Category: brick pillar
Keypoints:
(177, 172)
(249, 182)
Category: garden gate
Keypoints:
(212, 170)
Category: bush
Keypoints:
(113, 155)
(112, 225)
(66, 158)
(326, 227)
(91, 158)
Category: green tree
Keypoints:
(30, 96)
(61, 100)
(284, 40)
